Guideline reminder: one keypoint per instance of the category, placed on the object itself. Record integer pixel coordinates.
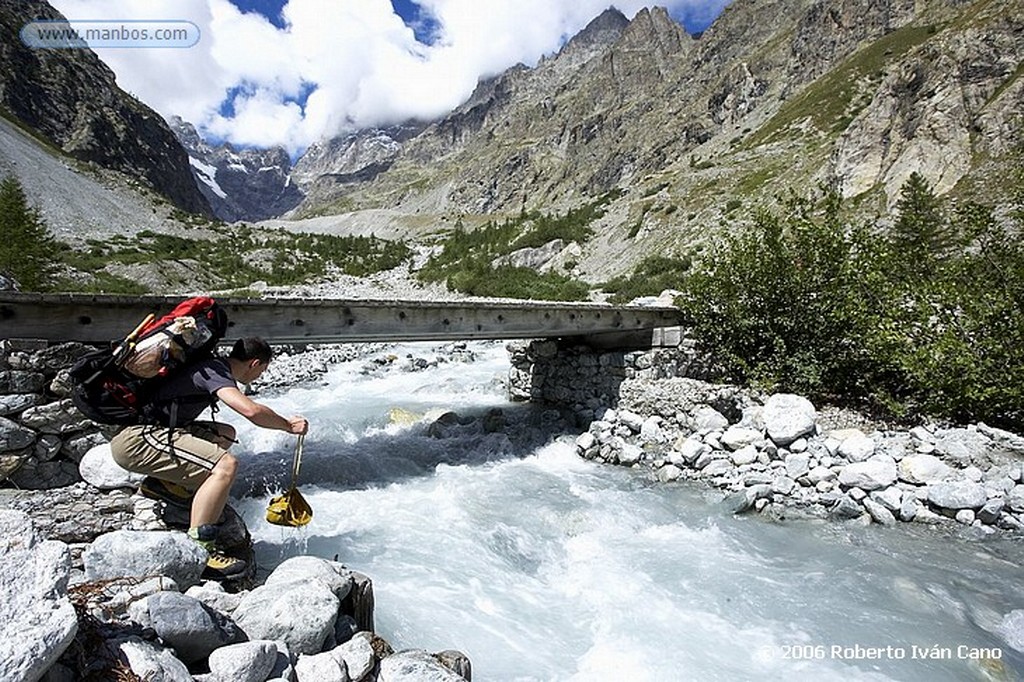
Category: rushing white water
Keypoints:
(542, 566)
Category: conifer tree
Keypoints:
(26, 246)
(922, 234)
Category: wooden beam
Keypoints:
(100, 318)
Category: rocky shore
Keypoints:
(99, 584)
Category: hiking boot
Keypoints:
(165, 491)
(219, 566)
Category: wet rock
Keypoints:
(669, 473)
(878, 512)
(990, 512)
(846, 508)
(415, 666)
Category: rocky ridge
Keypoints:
(71, 98)
(774, 95)
(247, 184)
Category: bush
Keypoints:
(929, 317)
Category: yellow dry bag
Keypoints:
(290, 509)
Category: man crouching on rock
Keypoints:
(191, 461)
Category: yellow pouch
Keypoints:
(291, 509)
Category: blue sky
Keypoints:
(290, 73)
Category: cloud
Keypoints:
(336, 66)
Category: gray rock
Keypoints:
(857, 447)
(798, 465)
(878, 512)
(783, 485)
(151, 662)
(1012, 629)
(99, 469)
(323, 667)
(820, 474)
(302, 615)
(742, 500)
(1015, 500)
(39, 620)
(213, 595)
(245, 662)
(14, 436)
(630, 454)
(21, 381)
(879, 471)
(191, 628)
(846, 508)
(130, 553)
(415, 666)
(909, 508)
(18, 402)
(585, 441)
(357, 653)
(965, 516)
(737, 437)
(60, 417)
(651, 430)
(745, 455)
(669, 473)
(964, 447)
(958, 495)
(631, 420)
(788, 417)
(706, 418)
(891, 498)
(36, 475)
(718, 467)
(991, 511)
(691, 448)
(921, 469)
(301, 569)
(47, 447)
(922, 434)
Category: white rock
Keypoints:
(632, 420)
(922, 434)
(630, 454)
(879, 513)
(958, 495)
(669, 473)
(745, 455)
(245, 662)
(153, 663)
(585, 441)
(39, 621)
(136, 553)
(787, 417)
(357, 653)
(709, 419)
(879, 471)
(922, 469)
(797, 465)
(857, 447)
(891, 498)
(300, 615)
(415, 666)
(799, 445)
(99, 470)
(651, 431)
(737, 437)
(965, 516)
(691, 449)
(320, 668)
(819, 474)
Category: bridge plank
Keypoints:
(99, 318)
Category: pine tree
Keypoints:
(26, 247)
(922, 234)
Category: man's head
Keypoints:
(251, 356)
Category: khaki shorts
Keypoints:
(187, 458)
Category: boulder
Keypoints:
(707, 418)
(245, 662)
(921, 469)
(358, 655)
(14, 437)
(879, 471)
(99, 470)
(415, 666)
(1015, 500)
(322, 667)
(737, 437)
(965, 447)
(151, 662)
(191, 628)
(958, 495)
(134, 553)
(856, 447)
(39, 620)
(788, 417)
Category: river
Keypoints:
(539, 565)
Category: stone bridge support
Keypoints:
(571, 375)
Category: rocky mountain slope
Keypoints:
(775, 95)
(71, 99)
(247, 184)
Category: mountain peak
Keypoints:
(602, 31)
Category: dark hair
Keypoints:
(252, 348)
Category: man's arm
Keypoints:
(258, 413)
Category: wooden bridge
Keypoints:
(102, 318)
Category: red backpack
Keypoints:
(114, 385)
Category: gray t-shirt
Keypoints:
(194, 389)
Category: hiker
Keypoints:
(191, 462)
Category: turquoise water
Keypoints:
(542, 566)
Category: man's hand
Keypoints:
(298, 425)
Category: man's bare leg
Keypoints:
(212, 495)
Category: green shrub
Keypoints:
(652, 276)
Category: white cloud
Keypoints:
(361, 61)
